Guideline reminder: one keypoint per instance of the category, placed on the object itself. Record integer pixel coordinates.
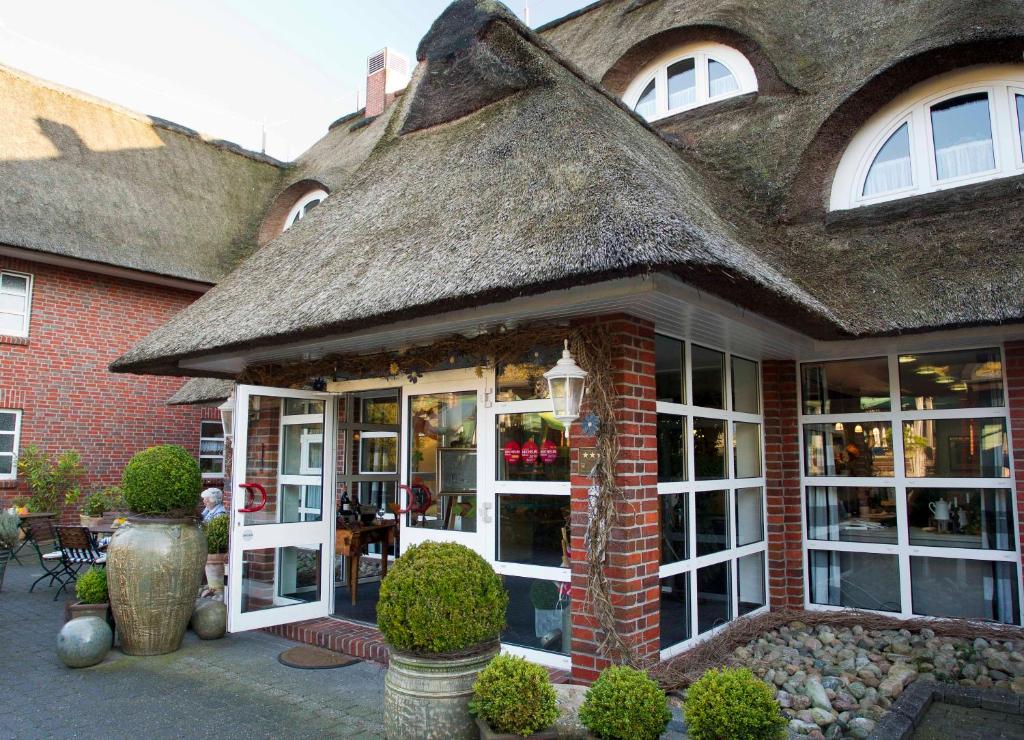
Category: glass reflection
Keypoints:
(669, 363)
(714, 596)
(720, 79)
(539, 614)
(671, 448)
(956, 448)
(524, 381)
(965, 589)
(646, 105)
(962, 133)
(674, 527)
(750, 574)
(746, 387)
(273, 578)
(845, 386)
(712, 521)
(856, 580)
(747, 449)
(858, 449)
(853, 514)
(961, 517)
(891, 169)
(749, 516)
(442, 458)
(533, 530)
(709, 449)
(532, 447)
(675, 610)
(708, 370)
(682, 83)
(951, 380)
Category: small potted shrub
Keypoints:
(732, 702)
(625, 704)
(95, 506)
(155, 560)
(10, 534)
(93, 598)
(217, 548)
(441, 610)
(514, 698)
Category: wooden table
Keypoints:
(351, 540)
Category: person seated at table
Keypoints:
(213, 501)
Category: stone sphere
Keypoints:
(210, 619)
(84, 641)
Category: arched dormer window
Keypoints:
(688, 77)
(955, 129)
(304, 205)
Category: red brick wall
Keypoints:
(633, 550)
(80, 322)
(782, 456)
(1015, 397)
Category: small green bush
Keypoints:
(162, 480)
(9, 529)
(91, 586)
(440, 597)
(514, 696)
(732, 703)
(50, 483)
(625, 704)
(99, 503)
(217, 534)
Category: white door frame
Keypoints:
(266, 536)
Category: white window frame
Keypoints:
(13, 454)
(298, 211)
(701, 53)
(999, 82)
(900, 482)
(220, 439)
(691, 487)
(307, 477)
(27, 315)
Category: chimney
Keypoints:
(387, 72)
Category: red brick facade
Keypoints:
(58, 377)
(1014, 359)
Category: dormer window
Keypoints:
(955, 129)
(689, 77)
(306, 204)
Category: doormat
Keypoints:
(309, 657)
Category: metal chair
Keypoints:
(42, 539)
(77, 550)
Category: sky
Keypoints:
(230, 69)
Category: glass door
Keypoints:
(281, 535)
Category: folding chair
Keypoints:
(43, 540)
(77, 550)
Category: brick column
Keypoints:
(782, 456)
(1014, 360)
(633, 551)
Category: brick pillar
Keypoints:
(1014, 360)
(633, 551)
(782, 456)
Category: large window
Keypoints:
(909, 500)
(15, 303)
(711, 489)
(689, 77)
(10, 430)
(953, 130)
(211, 449)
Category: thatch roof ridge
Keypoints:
(202, 391)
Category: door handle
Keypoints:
(250, 507)
(488, 519)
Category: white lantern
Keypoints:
(227, 415)
(566, 382)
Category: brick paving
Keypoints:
(943, 721)
(218, 689)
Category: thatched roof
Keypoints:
(501, 173)
(85, 179)
(202, 390)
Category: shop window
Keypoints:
(845, 386)
(533, 529)
(746, 386)
(855, 580)
(712, 522)
(747, 449)
(855, 449)
(857, 514)
(211, 449)
(442, 457)
(951, 380)
(749, 516)
(532, 447)
(974, 518)
(539, 614)
(669, 369)
(956, 448)
(524, 380)
(967, 589)
(10, 431)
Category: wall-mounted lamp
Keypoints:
(566, 383)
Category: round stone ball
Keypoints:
(84, 641)
(210, 619)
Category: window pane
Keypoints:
(746, 391)
(303, 449)
(443, 445)
(533, 529)
(846, 386)
(6, 443)
(211, 447)
(709, 448)
(532, 447)
(646, 105)
(378, 452)
(7, 421)
(961, 517)
(207, 465)
(963, 136)
(891, 169)
(712, 522)
(720, 79)
(6, 464)
(859, 449)
(747, 447)
(12, 303)
(11, 323)
(377, 410)
(14, 283)
(714, 596)
(708, 378)
(1020, 120)
(674, 527)
(851, 514)
(675, 609)
(668, 369)
(956, 448)
(302, 406)
(682, 84)
(970, 589)
(750, 574)
(671, 448)
(524, 381)
(749, 516)
(275, 578)
(951, 380)
(538, 614)
(211, 430)
(856, 580)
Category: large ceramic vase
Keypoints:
(154, 570)
(428, 697)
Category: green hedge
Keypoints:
(217, 534)
(162, 480)
(91, 586)
(625, 704)
(514, 696)
(732, 702)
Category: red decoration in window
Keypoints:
(530, 453)
(548, 452)
(512, 452)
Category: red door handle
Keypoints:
(250, 507)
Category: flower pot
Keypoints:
(428, 696)
(90, 521)
(215, 571)
(154, 568)
(79, 609)
(486, 733)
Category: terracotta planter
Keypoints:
(428, 697)
(154, 569)
(215, 563)
(78, 609)
(90, 521)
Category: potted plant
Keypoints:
(514, 698)
(93, 598)
(94, 506)
(441, 611)
(50, 483)
(10, 533)
(626, 704)
(155, 560)
(217, 548)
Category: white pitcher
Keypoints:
(939, 509)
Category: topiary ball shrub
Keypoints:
(732, 703)
(217, 534)
(162, 480)
(625, 704)
(514, 696)
(91, 586)
(440, 597)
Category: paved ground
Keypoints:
(943, 721)
(218, 689)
